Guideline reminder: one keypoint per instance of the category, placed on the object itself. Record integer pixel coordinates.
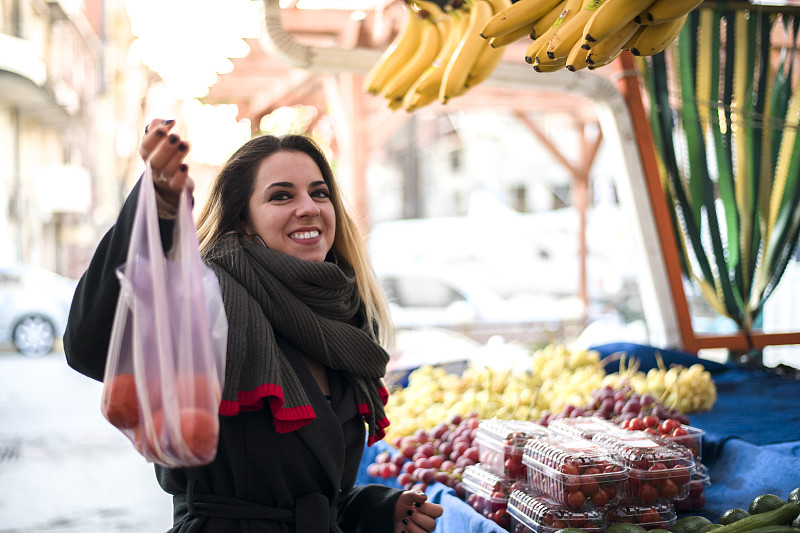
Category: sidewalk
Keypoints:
(63, 467)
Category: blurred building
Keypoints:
(65, 93)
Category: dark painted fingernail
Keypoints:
(168, 122)
(405, 521)
(160, 133)
(184, 167)
(417, 504)
(173, 139)
(182, 147)
(147, 128)
(410, 512)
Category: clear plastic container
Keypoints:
(658, 470)
(696, 499)
(487, 493)
(692, 440)
(583, 426)
(500, 445)
(573, 472)
(656, 516)
(537, 514)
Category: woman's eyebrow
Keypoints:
(280, 184)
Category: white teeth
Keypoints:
(305, 235)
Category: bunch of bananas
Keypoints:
(437, 55)
(577, 34)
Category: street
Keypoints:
(63, 467)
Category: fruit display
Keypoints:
(578, 34)
(534, 513)
(487, 493)
(573, 472)
(558, 382)
(501, 443)
(658, 471)
(449, 453)
(437, 55)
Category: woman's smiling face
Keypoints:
(291, 208)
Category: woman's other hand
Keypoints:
(413, 514)
(166, 151)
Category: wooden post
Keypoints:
(628, 83)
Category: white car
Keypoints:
(425, 294)
(34, 307)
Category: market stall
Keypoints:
(751, 444)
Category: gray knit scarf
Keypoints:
(313, 305)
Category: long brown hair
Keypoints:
(226, 211)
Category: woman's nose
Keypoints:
(307, 207)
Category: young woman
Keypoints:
(306, 317)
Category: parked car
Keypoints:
(34, 306)
(429, 295)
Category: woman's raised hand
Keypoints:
(165, 151)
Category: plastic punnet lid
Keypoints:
(582, 426)
(542, 514)
(567, 454)
(640, 451)
(480, 480)
(497, 433)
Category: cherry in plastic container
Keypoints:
(574, 472)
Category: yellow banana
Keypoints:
(606, 60)
(550, 65)
(571, 31)
(538, 51)
(602, 50)
(522, 13)
(576, 59)
(430, 80)
(396, 104)
(667, 10)
(539, 44)
(656, 38)
(414, 101)
(467, 52)
(570, 6)
(401, 48)
(511, 37)
(611, 16)
(632, 38)
(429, 45)
(490, 56)
(499, 5)
(487, 62)
(548, 19)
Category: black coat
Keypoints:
(260, 480)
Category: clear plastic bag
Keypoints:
(166, 359)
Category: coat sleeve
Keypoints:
(92, 312)
(368, 508)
